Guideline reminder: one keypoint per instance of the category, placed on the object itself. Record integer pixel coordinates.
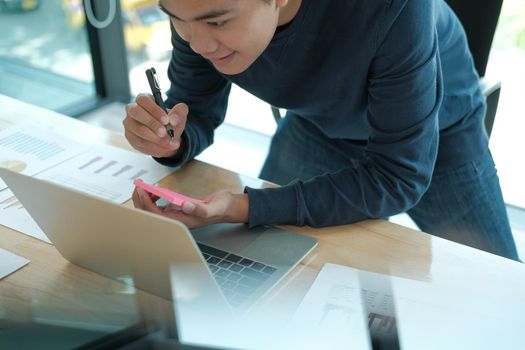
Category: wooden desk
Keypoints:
(53, 289)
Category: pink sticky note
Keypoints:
(170, 196)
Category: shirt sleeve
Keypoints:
(197, 83)
(404, 96)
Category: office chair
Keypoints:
(479, 18)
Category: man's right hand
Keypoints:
(144, 126)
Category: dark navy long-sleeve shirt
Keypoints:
(395, 75)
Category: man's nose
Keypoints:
(202, 42)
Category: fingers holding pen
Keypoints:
(177, 118)
(150, 148)
(144, 129)
(139, 122)
(154, 117)
(141, 113)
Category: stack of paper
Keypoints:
(10, 262)
(102, 170)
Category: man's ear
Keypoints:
(281, 3)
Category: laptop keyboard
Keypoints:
(237, 276)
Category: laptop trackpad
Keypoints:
(235, 238)
(267, 244)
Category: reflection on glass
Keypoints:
(44, 54)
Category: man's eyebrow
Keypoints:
(207, 15)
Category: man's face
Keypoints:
(231, 34)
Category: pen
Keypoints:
(155, 90)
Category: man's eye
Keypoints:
(216, 24)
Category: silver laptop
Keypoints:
(160, 255)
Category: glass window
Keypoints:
(44, 53)
(506, 64)
(148, 42)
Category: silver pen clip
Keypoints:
(155, 79)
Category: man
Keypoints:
(385, 114)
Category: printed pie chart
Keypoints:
(13, 165)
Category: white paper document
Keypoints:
(28, 150)
(5, 123)
(346, 305)
(13, 215)
(331, 315)
(106, 172)
(103, 171)
(10, 262)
